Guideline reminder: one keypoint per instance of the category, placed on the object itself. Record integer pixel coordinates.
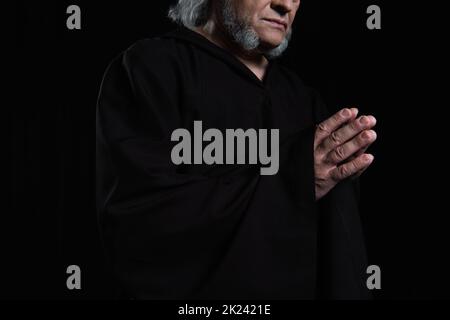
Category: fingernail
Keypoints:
(364, 120)
(345, 113)
(368, 158)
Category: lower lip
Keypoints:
(276, 25)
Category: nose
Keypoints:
(282, 7)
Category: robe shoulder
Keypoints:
(158, 54)
(163, 59)
(148, 61)
(140, 89)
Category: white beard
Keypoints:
(245, 36)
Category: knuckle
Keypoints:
(334, 175)
(338, 117)
(322, 127)
(339, 153)
(321, 176)
(343, 171)
(335, 138)
(354, 126)
(322, 158)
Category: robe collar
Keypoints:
(197, 39)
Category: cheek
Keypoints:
(293, 13)
(292, 17)
(247, 8)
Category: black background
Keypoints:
(389, 73)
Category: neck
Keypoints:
(255, 61)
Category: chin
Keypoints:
(271, 38)
(271, 43)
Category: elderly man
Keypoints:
(221, 230)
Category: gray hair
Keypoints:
(190, 13)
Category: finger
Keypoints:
(347, 132)
(352, 167)
(345, 151)
(358, 153)
(360, 172)
(325, 128)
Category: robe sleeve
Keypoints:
(151, 215)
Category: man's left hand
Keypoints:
(339, 148)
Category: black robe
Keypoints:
(217, 231)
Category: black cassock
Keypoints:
(217, 231)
